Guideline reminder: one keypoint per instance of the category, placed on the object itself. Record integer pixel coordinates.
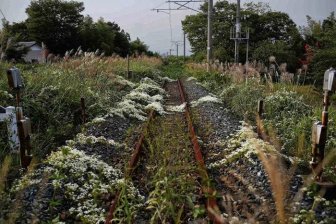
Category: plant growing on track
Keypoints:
(170, 169)
(148, 95)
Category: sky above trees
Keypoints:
(153, 28)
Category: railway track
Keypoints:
(242, 187)
(167, 167)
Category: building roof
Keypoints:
(28, 43)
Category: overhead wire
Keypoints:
(170, 17)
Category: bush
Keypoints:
(322, 60)
(173, 67)
(290, 117)
(283, 104)
(243, 98)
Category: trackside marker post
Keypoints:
(319, 131)
(8, 115)
(20, 134)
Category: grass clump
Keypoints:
(170, 168)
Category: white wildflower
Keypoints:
(179, 108)
(191, 79)
(167, 79)
(123, 81)
(157, 107)
(205, 99)
(98, 120)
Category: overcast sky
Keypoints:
(136, 17)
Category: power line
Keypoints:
(180, 5)
(184, 5)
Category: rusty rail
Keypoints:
(131, 165)
(211, 203)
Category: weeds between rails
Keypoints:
(167, 173)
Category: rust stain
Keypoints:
(131, 165)
(211, 203)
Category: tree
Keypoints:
(280, 49)
(321, 37)
(264, 25)
(20, 30)
(56, 23)
(121, 40)
(106, 36)
(322, 60)
(9, 49)
(138, 47)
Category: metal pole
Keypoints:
(247, 48)
(177, 49)
(184, 45)
(128, 66)
(209, 48)
(128, 63)
(247, 52)
(238, 31)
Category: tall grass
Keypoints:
(52, 94)
(6, 164)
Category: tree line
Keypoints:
(61, 26)
(272, 33)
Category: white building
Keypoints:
(35, 52)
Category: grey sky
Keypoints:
(135, 16)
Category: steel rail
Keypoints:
(211, 203)
(131, 165)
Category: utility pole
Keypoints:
(238, 37)
(184, 45)
(209, 47)
(247, 53)
(238, 29)
(177, 44)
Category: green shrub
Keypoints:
(286, 112)
(322, 60)
(284, 104)
(243, 98)
(173, 67)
